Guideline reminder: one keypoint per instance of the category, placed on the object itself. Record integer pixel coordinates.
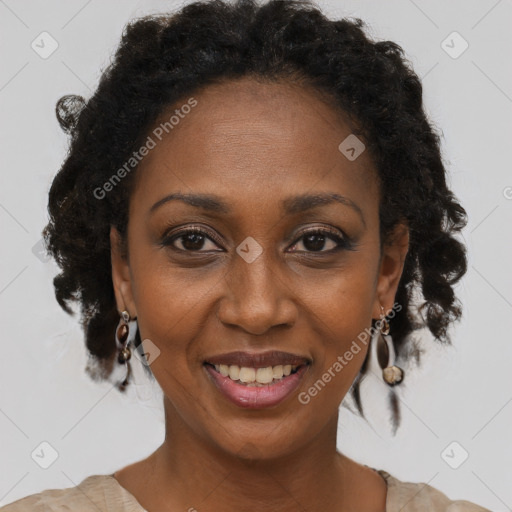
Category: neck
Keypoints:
(196, 474)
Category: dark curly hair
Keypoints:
(162, 59)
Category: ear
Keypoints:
(391, 268)
(121, 276)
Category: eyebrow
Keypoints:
(291, 205)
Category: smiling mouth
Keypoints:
(256, 388)
(256, 377)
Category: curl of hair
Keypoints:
(163, 59)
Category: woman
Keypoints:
(252, 199)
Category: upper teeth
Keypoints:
(260, 375)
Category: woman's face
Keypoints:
(268, 269)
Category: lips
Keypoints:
(256, 397)
(258, 360)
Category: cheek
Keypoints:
(167, 297)
(165, 307)
(343, 299)
(341, 308)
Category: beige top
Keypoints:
(103, 493)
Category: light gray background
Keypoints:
(462, 393)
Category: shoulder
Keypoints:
(96, 493)
(416, 497)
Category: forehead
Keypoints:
(253, 136)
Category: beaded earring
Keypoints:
(125, 334)
(391, 373)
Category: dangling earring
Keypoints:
(125, 334)
(391, 374)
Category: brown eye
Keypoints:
(191, 240)
(317, 240)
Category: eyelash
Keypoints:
(343, 243)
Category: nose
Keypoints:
(257, 296)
